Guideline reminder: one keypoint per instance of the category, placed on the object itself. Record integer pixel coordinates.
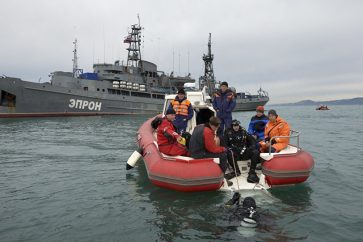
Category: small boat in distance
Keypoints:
(322, 107)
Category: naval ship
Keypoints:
(244, 100)
(248, 102)
(137, 87)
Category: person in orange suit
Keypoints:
(275, 127)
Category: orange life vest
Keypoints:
(181, 107)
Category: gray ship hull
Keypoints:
(250, 104)
(30, 99)
(45, 100)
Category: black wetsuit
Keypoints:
(243, 146)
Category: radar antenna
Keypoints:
(208, 79)
(134, 41)
(76, 71)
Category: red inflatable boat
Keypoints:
(292, 165)
(177, 172)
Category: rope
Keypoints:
(235, 170)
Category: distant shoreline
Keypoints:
(351, 101)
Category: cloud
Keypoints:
(293, 49)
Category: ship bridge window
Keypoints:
(85, 88)
(118, 92)
(7, 99)
(114, 71)
(125, 93)
(98, 89)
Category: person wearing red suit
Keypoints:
(169, 141)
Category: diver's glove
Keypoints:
(181, 141)
(234, 199)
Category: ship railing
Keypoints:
(293, 134)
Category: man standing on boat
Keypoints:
(275, 127)
(224, 103)
(169, 141)
(183, 109)
(202, 143)
(243, 147)
(258, 123)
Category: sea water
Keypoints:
(64, 179)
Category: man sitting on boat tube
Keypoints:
(183, 109)
(203, 144)
(169, 141)
(275, 127)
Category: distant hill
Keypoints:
(352, 101)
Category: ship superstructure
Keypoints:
(244, 100)
(135, 88)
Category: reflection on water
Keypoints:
(294, 200)
(297, 196)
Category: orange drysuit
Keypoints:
(278, 128)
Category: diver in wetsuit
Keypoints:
(245, 214)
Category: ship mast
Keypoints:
(134, 40)
(208, 78)
(76, 71)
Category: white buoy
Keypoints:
(131, 162)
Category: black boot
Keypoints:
(229, 176)
(252, 177)
(229, 183)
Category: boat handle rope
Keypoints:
(235, 171)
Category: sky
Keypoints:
(293, 49)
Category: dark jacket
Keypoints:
(224, 103)
(257, 126)
(202, 142)
(239, 140)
